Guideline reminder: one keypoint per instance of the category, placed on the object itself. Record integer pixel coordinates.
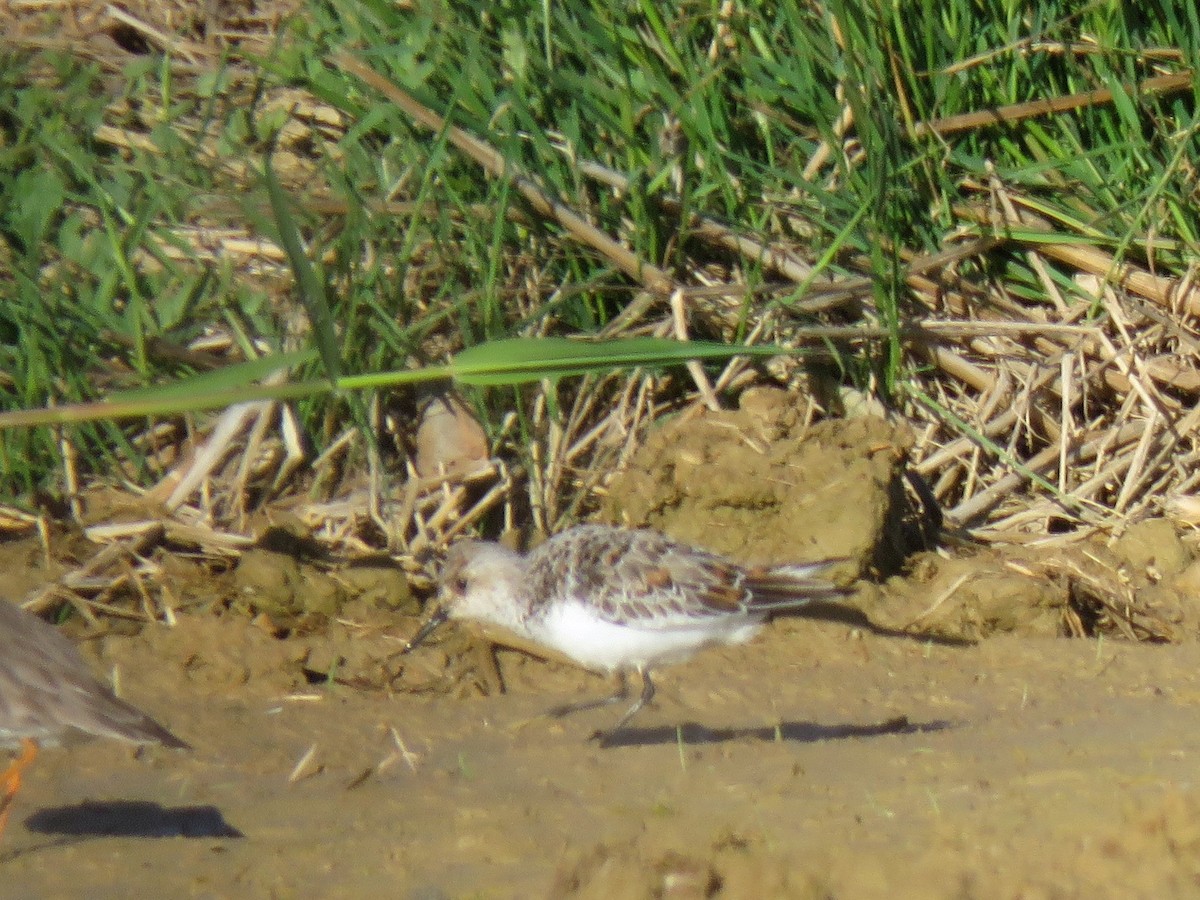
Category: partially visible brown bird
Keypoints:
(48, 695)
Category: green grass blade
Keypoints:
(520, 360)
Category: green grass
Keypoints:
(670, 95)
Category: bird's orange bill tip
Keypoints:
(440, 615)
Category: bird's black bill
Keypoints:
(435, 621)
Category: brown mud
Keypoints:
(946, 737)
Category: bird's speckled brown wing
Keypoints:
(47, 689)
(646, 578)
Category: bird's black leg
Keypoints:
(605, 737)
(565, 710)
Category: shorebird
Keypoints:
(49, 695)
(618, 600)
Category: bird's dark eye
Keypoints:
(459, 584)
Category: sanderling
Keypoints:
(48, 694)
(618, 600)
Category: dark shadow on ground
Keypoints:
(796, 732)
(845, 614)
(130, 818)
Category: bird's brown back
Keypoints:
(47, 689)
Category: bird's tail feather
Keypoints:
(784, 587)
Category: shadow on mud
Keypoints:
(845, 614)
(127, 818)
(796, 732)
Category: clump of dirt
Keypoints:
(1137, 586)
(280, 585)
(760, 484)
(292, 579)
(1144, 585)
(971, 597)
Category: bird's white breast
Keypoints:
(574, 629)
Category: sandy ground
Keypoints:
(1027, 768)
(943, 738)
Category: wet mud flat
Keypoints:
(1027, 767)
(975, 722)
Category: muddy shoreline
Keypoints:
(1030, 767)
(942, 735)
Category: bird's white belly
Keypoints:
(576, 631)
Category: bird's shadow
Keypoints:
(845, 614)
(131, 818)
(694, 733)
